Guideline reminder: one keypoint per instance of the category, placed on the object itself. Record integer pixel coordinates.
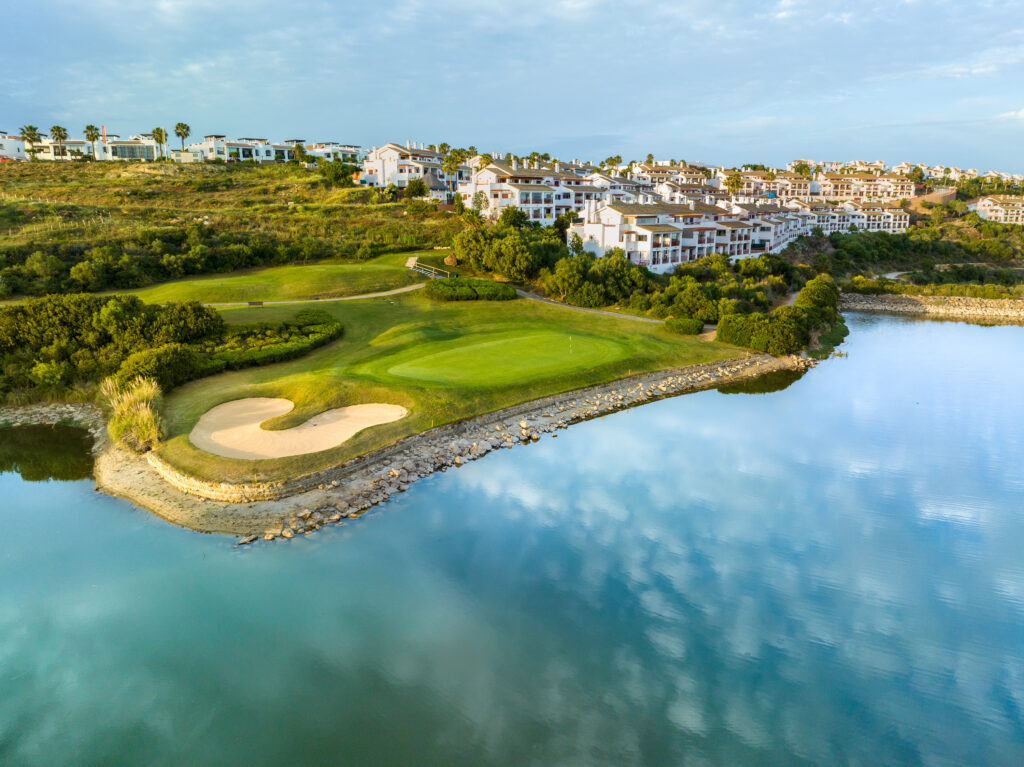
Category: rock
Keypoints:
(287, 533)
(247, 539)
(268, 536)
(304, 514)
(334, 517)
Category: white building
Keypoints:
(659, 236)
(1002, 208)
(332, 150)
(11, 147)
(543, 193)
(395, 164)
(781, 185)
(865, 186)
(216, 146)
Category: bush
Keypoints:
(684, 326)
(169, 365)
(464, 289)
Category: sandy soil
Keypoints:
(233, 429)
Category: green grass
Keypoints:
(331, 279)
(443, 362)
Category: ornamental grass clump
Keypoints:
(135, 422)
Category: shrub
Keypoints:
(169, 365)
(684, 326)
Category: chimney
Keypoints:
(558, 167)
(515, 164)
(104, 129)
(407, 142)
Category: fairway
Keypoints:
(290, 283)
(508, 359)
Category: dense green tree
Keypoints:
(416, 187)
(513, 217)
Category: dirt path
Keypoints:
(382, 294)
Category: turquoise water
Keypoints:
(830, 574)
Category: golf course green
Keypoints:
(442, 361)
(506, 358)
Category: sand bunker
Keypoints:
(233, 429)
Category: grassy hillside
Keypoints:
(442, 361)
(122, 226)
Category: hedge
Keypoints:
(465, 289)
(684, 326)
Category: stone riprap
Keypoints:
(995, 309)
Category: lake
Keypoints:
(830, 573)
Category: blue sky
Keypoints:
(714, 80)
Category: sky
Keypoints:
(717, 81)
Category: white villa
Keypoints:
(216, 146)
(11, 147)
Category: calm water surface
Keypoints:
(829, 574)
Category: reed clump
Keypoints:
(134, 408)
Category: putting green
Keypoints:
(509, 359)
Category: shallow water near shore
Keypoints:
(817, 571)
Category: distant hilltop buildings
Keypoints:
(145, 146)
(661, 213)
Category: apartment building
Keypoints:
(759, 183)
(395, 164)
(670, 191)
(542, 192)
(1001, 208)
(660, 236)
(865, 186)
(655, 174)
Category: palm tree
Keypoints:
(59, 135)
(92, 135)
(160, 137)
(733, 183)
(182, 131)
(30, 135)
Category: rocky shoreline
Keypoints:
(983, 309)
(347, 491)
(82, 414)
